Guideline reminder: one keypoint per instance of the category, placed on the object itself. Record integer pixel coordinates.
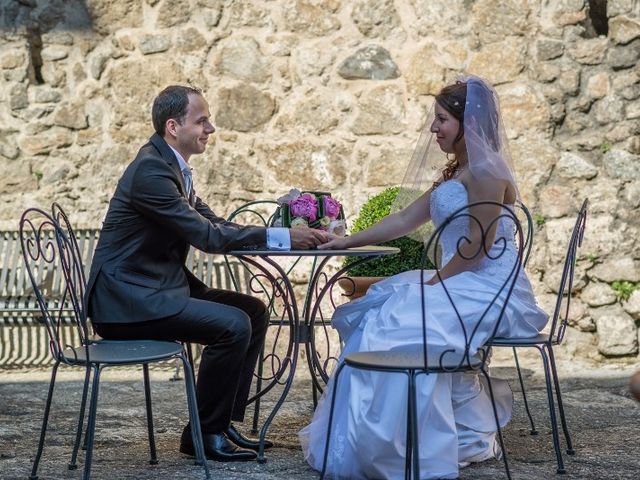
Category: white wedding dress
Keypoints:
(456, 425)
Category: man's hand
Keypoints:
(303, 238)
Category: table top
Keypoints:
(366, 251)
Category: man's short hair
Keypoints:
(172, 102)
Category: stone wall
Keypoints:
(331, 94)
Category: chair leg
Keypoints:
(414, 426)
(91, 426)
(153, 460)
(45, 421)
(73, 465)
(552, 410)
(563, 420)
(524, 393)
(256, 406)
(191, 361)
(333, 403)
(194, 417)
(495, 415)
(409, 441)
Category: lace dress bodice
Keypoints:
(449, 197)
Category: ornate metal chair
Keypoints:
(423, 359)
(43, 251)
(545, 342)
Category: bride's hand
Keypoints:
(334, 243)
(433, 280)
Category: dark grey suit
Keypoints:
(139, 286)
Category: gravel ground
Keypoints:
(603, 417)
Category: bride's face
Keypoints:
(446, 128)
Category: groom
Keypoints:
(139, 287)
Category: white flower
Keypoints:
(289, 197)
(338, 227)
(299, 222)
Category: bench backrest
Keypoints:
(16, 292)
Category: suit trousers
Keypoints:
(232, 327)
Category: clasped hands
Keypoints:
(304, 238)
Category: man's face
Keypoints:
(192, 133)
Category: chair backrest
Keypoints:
(560, 318)
(257, 212)
(482, 233)
(526, 220)
(46, 247)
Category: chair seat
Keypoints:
(511, 342)
(114, 352)
(412, 358)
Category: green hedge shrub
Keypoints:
(409, 258)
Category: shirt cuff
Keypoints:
(278, 238)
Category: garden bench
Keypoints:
(23, 338)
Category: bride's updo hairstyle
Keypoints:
(453, 99)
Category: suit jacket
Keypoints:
(138, 270)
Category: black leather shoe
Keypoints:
(216, 447)
(236, 437)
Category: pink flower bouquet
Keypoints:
(310, 209)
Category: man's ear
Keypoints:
(170, 126)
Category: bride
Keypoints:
(456, 425)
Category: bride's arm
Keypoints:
(471, 252)
(389, 228)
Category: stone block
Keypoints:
(375, 18)
(243, 108)
(631, 193)
(572, 165)
(500, 62)
(246, 13)
(598, 85)
(597, 294)
(310, 165)
(493, 20)
(312, 111)
(609, 110)
(568, 12)
(71, 116)
(549, 49)
(632, 305)
(18, 97)
(312, 60)
(623, 29)
(172, 13)
(149, 43)
(240, 57)
(11, 60)
(380, 111)
(617, 332)
(311, 17)
(108, 16)
(523, 109)
(369, 63)
(46, 141)
(557, 201)
(45, 94)
(190, 40)
(52, 53)
(590, 51)
(624, 56)
(621, 164)
(425, 75)
(621, 268)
